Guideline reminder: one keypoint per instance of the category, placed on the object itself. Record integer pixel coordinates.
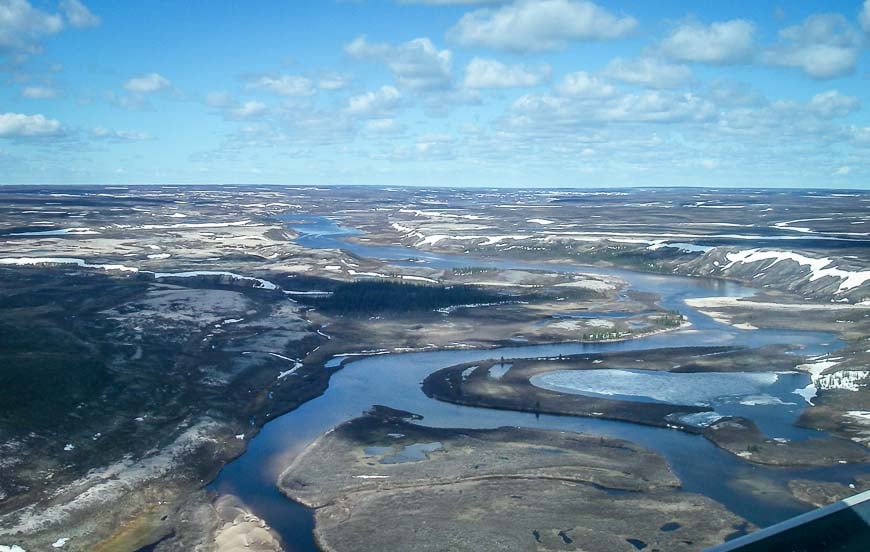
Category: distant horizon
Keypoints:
(447, 187)
(420, 93)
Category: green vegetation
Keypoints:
(383, 296)
(672, 319)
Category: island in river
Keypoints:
(498, 489)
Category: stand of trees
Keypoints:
(370, 296)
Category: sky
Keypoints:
(516, 93)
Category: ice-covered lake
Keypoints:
(700, 389)
(771, 399)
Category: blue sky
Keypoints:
(525, 93)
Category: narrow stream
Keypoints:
(394, 380)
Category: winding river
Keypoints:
(394, 380)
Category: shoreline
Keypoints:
(736, 435)
(338, 489)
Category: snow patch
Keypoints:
(819, 268)
(258, 282)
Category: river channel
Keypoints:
(394, 380)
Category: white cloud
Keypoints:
(584, 85)
(378, 104)
(426, 147)
(416, 64)
(864, 16)
(38, 92)
(20, 125)
(361, 48)
(103, 133)
(645, 107)
(384, 126)
(435, 145)
(650, 72)
(78, 14)
(285, 85)
(823, 46)
(248, 110)
(730, 93)
(22, 26)
(146, 84)
(332, 81)
(659, 107)
(830, 104)
(719, 43)
(842, 171)
(490, 73)
(536, 25)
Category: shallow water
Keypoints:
(411, 453)
(394, 380)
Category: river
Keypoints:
(394, 380)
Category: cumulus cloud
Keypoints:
(584, 85)
(378, 104)
(649, 72)
(146, 84)
(14, 125)
(332, 81)
(416, 64)
(659, 107)
(537, 25)
(490, 73)
(78, 14)
(823, 46)
(22, 26)
(832, 104)
(644, 107)
(38, 92)
(285, 85)
(719, 43)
